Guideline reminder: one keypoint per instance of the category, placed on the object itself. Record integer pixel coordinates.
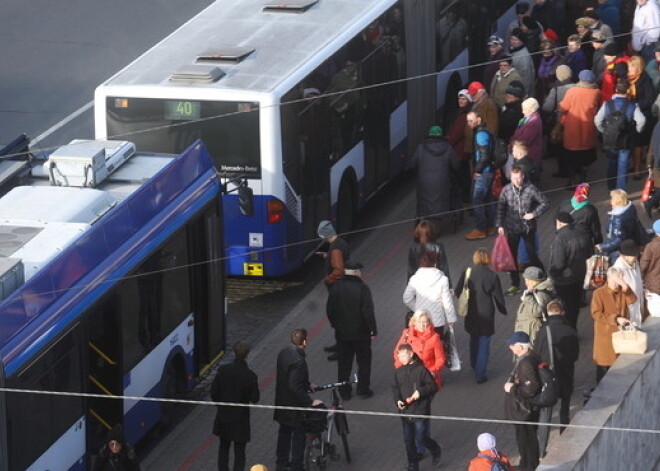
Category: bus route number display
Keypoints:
(182, 110)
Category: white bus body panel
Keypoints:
(65, 452)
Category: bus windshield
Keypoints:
(230, 130)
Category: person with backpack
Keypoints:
(615, 120)
(523, 385)
(489, 458)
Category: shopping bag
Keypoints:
(653, 304)
(596, 275)
(649, 187)
(464, 299)
(454, 360)
(497, 185)
(501, 258)
(629, 340)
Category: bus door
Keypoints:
(105, 370)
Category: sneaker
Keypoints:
(475, 234)
(511, 290)
(491, 231)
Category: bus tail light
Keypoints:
(275, 211)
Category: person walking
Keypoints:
(584, 214)
(609, 309)
(569, 252)
(650, 262)
(434, 163)
(565, 352)
(616, 120)
(489, 455)
(413, 390)
(523, 384)
(425, 240)
(485, 296)
(539, 290)
(234, 382)
(292, 389)
(628, 263)
(520, 205)
(350, 310)
(621, 225)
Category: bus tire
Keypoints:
(346, 206)
(173, 388)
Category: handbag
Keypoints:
(596, 275)
(629, 340)
(649, 187)
(464, 298)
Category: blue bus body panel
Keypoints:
(90, 266)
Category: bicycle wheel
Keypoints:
(342, 431)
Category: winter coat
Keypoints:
(532, 308)
(492, 66)
(586, 219)
(434, 160)
(123, 461)
(428, 289)
(545, 76)
(500, 83)
(526, 385)
(511, 114)
(580, 105)
(524, 64)
(610, 76)
(550, 105)
(621, 225)
(484, 464)
(516, 202)
(427, 346)
(530, 131)
(650, 265)
(234, 382)
(350, 309)
(610, 13)
(530, 169)
(338, 253)
(565, 350)
(485, 295)
(456, 134)
(292, 386)
(606, 306)
(415, 254)
(411, 377)
(568, 256)
(577, 61)
(632, 275)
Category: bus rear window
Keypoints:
(230, 130)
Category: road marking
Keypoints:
(62, 123)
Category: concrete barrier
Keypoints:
(627, 397)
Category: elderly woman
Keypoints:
(539, 291)
(550, 60)
(530, 130)
(621, 225)
(485, 295)
(609, 309)
(628, 263)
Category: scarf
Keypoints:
(576, 205)
(516, 49)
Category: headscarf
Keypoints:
(486, 441)
(581, 196)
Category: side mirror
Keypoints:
(246, 200)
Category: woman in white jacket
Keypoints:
(428, 289)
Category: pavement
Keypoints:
(376, 442)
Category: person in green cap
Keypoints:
(434, 162)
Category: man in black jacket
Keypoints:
(413, 391)
(292, 389)
(568, 264)
(565, 352)
(350, 310)
(523, 385)
(234, 382)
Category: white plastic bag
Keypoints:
(455, 360)
(653, 304)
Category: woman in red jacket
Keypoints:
(426, 343)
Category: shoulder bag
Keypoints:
(464, 298)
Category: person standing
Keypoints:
(552, 114)
(425, 240)
(584, 214)
(519, 152)
(565, 352)
(520, 205)
(653, 162)
(456, 137)
(488, 455)
(621, 225)
(569, 252)
(434, 162)
(650, 262)
(522, 60)
(337, 254)
(502, 80)
(539, 290)
(523, 384)
(350, 310)
(628, 263)
(530, 131)
(511, 112)
(234, 382)
(413, 390)
(495, 52)
(485, 295)
(116, 454)
(486, 108)
(292, 389)
(642, 92)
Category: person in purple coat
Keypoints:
(530, 131)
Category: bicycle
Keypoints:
(321, 427)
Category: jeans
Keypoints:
(223, 455)
(484, 210)
(529, 241)
(479, 351)
(291, 441)
(412, 430)
(617, 168)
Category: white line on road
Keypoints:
(62, 123)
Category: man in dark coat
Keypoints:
(568, 264)
(234, 382)
(512, 111)
(523, 385)
(434, 161)
(350, 310)
(565, 352)
(292, 389)
(413, 391)
(116, 454)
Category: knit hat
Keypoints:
(563, 72)
(466, 94)
(551, 35)
(517, 32)
(534, 274)
(435, 131)
(564, 217)
(517, 337)
(486, 441)
(495, 40)
(629, 248)
(582, 192)
(656, 226)
(610, 50)
(474, 87)
(587, 75)
(326, 229)
(512, 90)
(583, 22)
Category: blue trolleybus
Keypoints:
(245, 76)
(111, 280)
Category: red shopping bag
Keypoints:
(501, 258)
(498, 184)
(649, 187)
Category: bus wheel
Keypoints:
(172, 389)
(345, 207)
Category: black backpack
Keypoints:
(617, 125)
(500, 152)
(495, 464)
(549, 393)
